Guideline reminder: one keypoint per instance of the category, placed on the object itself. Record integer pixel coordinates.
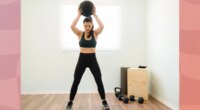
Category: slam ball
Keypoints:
(86, 6)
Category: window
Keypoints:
(108, 40)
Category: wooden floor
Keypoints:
(84, 102)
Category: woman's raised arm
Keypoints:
(73, 25)
(101, 26)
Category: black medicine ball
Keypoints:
(86, 6)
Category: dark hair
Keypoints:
(89, 19)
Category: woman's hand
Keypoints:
(94, 11)
(79, 11)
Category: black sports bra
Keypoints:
(87, 43)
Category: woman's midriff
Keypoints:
(87, 50)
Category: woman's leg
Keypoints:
(95, 69)
(80, 69)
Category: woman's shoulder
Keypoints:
(95, 35)
(81, 34)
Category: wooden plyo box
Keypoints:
(137, 82)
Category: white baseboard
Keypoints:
(62, 92)
(165, 102)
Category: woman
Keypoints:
(87, 58)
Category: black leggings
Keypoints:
(87, 60)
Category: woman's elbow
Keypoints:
(102, 27)
(71, 26)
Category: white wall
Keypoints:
(45, 68)
(163, 49)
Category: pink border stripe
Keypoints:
(189, 54)
(10, 55)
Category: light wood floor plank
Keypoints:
(84, 102)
